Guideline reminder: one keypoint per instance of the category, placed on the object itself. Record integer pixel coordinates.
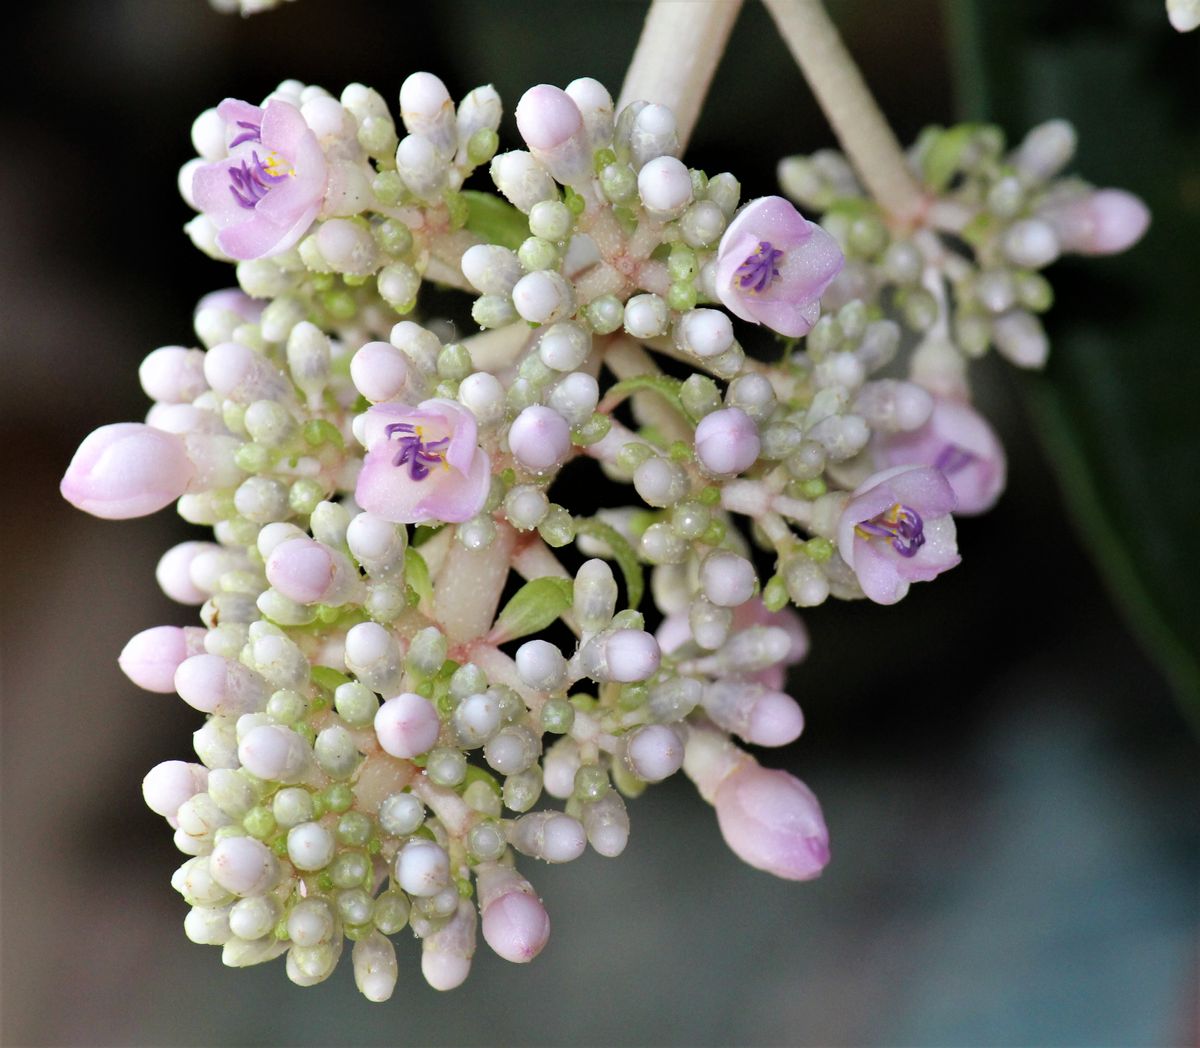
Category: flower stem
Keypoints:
(861, 128)
(676, 56)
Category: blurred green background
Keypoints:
(1009, 780)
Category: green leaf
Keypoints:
(941, 159)
(494, 219)
(535, 605)
(666, 387)
(622, 553)
(416, 574)
(1116, 407)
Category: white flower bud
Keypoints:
(373, 656)
(1021, 339)
(646, 316)
(207, 925)
(595, 600)
(310, 922)
(727, 579)
(422, 868)
(401, 814)
(522, 179)
(575, 397)
(541, 665)
(660, 482)
(665, 186)
(595, 106)
(483, 394)
(652, 135)
(374, 959)
(653, 752)
(1031, 243)
(254, 917)
(244, 866)
(310, 846)
(704, 332)
(607, 824)
(543, 297)
(491, 269)
(421, 166)
(426, 110)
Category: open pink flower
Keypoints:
(897, 530)
(773, 265)
(423, 463)
(265, 194)
(958, 441)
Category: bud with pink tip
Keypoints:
(727, 441)
(539, 438)
(244, 866)
(772, 821)
(151, 657)
(446, 953)
(759, 715)
(549, 835)
(623, 656)
(127, 470)
(552, 127)
(1098, 222)
(407, 725)
(167, 785)
(213, 684)
(515, 923)
(595, 105)
(653, 752)
(309, 572)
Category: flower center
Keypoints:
(952, 458)
(419, 453)
(760, 270)
(256, 178)
(902, 524)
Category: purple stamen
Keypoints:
(251, 133)
(902, 524)
(952, 458)
(759, 270)
(418, 453)
(251, 182)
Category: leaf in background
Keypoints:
(1117, 405)
(416, 574)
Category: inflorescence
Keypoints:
(381, 736)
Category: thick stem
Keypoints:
(467, 590)
(847, 101)
(676, 56)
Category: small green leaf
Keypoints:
(416, 572)
(622, 553)
(535, 605)
(941, 159)
(666, 387)
(329, 678)
(494, 219)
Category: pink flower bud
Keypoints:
(552, 127)
(309, 572)
(515, 923)
(151, 657)
(379, 371)
(1101, 222)
(727, 441)
(237, 372)
(127, 470)
(759, 715)
(539, 438)
(407, 725)
(772, 821)
(213, 684)
(167, 785)
(624, 656)
(728, 580)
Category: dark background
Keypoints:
(1010, 787)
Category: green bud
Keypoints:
(482, 146)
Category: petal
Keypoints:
(463, 431)
(877, 572)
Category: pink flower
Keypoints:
(263, 196)
(772, 821)
(773, 266)
(897, 530)
(959, 442)
(423, 463)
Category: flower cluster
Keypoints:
(383, 730)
